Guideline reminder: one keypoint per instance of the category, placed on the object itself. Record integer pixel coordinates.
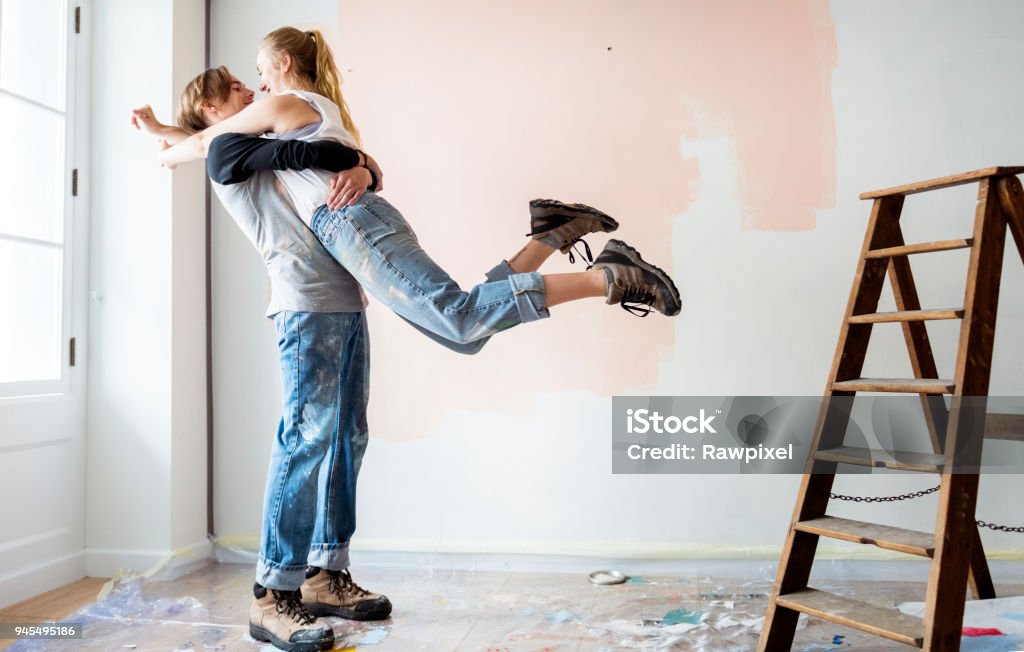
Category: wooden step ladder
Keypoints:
(955, 548)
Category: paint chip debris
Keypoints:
(677, 616)
(374, 636)
(980, 631)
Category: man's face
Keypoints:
(238, 98)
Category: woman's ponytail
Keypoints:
(314, 64)
(328, 82)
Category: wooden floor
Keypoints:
(53, 605)
(464, 610)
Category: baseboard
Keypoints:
(244, 549)
(39, 578)
(158, 565)
(738, 565)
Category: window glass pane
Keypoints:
(32, 185)
(30, 301)
(32, 37)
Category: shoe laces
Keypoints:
(586, 254)
(637, 301)
(290, 604)
(341, 582)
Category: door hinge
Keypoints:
(78, 20)
(71, 352)
(74, 182)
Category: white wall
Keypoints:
(246, 381)
(456, 105)
(188, 306)
(146, 494)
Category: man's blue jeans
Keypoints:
(309, 511)
(325, 377)
(377, 246)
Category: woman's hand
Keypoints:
(347, 187)
(372, 164)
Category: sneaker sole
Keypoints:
(629, 252)
(549, 207)
(266, 636)
(318, 610)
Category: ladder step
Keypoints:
(908, 315)
(924, 247)
(876, 457)
(911, 542)
(906, 385)
(878, 621)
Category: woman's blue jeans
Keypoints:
(309, 511)
(377, 246)
(309, 506)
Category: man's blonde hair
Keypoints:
(210, 87)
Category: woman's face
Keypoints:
(272, 75)
(238, 98)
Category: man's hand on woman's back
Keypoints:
(348, 186)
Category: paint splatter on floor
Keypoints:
(436, 609)
(677, 616)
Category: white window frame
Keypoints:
(74, 267)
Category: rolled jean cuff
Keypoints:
(499, 272)
(332, 556)
(276, 576)
(530, 295)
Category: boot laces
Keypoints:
(586, 254)
(637, 301)
(341, 582)
(290, 604)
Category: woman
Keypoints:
(373, 241)
(297, 69)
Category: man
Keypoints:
(318, 309)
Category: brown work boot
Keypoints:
(333, 593)
(278, 618)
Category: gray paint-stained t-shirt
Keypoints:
(303, 276)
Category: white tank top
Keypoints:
(308, 188)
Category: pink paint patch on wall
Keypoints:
(475, 108)
(760, 73)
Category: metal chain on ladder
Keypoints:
(918, 494)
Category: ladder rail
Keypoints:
(955, 529)
(936, 415)
(816, 485)
(1011, 197)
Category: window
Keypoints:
(35, 196)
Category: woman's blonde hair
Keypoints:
(313, 62)
(211, 86)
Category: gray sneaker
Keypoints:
(635, 284)
(561, 225)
